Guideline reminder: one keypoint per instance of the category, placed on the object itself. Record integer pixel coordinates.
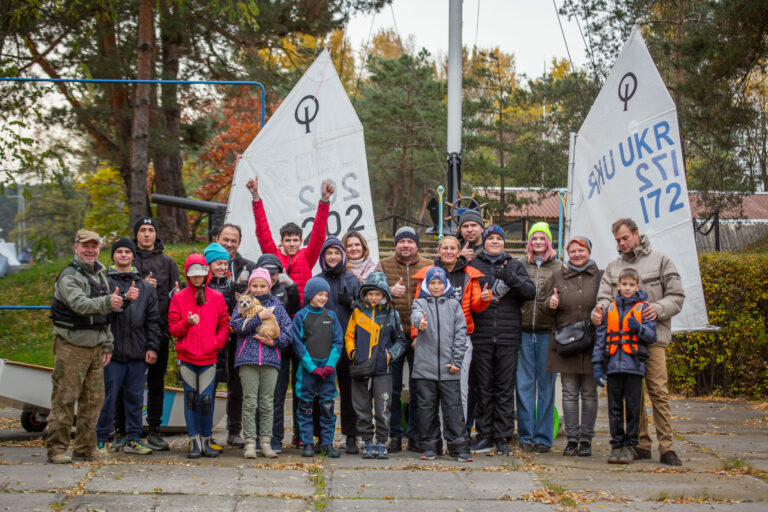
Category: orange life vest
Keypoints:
(618, 334)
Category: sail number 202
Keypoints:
(353, 213)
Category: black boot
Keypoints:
(207, 450)
(352, 448)
(395, 445)
(329, 451)
(309, 450)
(193, 450)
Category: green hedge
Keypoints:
(733, 362)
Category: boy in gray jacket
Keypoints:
(438, 352)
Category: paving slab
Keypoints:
(371, 505)
(148, 502)
(40, 477)
(655, 506)
(643, 486)
(22, 454)
(410, 460)
(735, 445)
(32, 501)
(429, 484)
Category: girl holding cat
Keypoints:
(257, 357)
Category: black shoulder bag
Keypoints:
(579, 337)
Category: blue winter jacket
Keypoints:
(301, 340)
(621, 362)
(252, 351)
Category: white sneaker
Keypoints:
(249, 450)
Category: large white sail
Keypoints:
(628, 162)
(314, 135)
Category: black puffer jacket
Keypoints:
(163, 269)
(501, 322)
(226, 287)
(240, 269)
(136, 327)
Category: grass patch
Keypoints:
(553, 487)
(317, 478)
(734, 464)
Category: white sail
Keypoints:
(628, 162)
(314, 135)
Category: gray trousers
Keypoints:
(376, 389)
(575, 384)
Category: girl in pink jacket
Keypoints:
(199, 322)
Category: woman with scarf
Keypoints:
(345, 287)
(572, 300)
(359, 262)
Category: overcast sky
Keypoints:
(526, 28)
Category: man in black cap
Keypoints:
(470, 233)
(160, 271)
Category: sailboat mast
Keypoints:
(453, 177)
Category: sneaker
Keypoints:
(483, 445)
(297, 443)
(329, 451)
(464, 456)
(502, 447)
(428, 455)
(570, 449)
(615, 455)
(541, 448)
(642, 454)
(351, 447)
(60, 458)
(249, 448)
(585, 449)
(277, 445)
(266, 447)
(101, 447)
(395, 445)
(118, 444)
(135, 446)
(627, 455)
(308, 451)
(381, 451)
(527, 447)
(670, 458)
(235, 440)
(368, 450)
(156, 441)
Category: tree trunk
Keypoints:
(138, 202)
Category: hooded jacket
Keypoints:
(345, 287)
(312, 346)
(658, 278)
(250, 350)
(135, 326)
(164, 269)
(299, 266)
(445, 339)
(621, 362)
(501, 322)
(198, 344)
(466, 285)
(537, 317)
(374, 325)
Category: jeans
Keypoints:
(575, 385)
(396, 417)
(535, 391)
(130, 377)
(258, 383)
(156, 382)
(199, 394)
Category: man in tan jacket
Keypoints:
(661, 281)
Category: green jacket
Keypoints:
(73, 289)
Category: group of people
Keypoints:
(484, 335)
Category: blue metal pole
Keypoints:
(25, 307)
(561, 196)
(126, 81)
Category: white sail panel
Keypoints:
(314, 135)
(628, 162)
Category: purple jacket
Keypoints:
(249, 349)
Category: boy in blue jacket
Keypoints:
(317, 343)
(373, 340)
(620, 353)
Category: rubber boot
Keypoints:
(193, 450)
(207, 450)
(266, 447)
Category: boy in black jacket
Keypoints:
(136, 328)
(373, 340)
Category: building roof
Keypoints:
(538, 203)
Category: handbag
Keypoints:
(574, 338)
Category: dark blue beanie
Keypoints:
(315, 286)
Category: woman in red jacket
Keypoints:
(199, 322)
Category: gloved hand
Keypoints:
(328, 371)
(283, 279)
(597, 372)
(503, 273)
(633, 324)
(344, 299)
(242, 279)
(318, 372)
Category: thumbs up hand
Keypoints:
(116, 300)
(151, 280)
(486, 294)
(423, 323)
(133, 292)
(175, 288)
(467, 252)
(597, 316)
(398, 289)
(193, 319)
(554, 301)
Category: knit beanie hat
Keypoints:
(407, 232)
(540, 227)
(270, 262)
(432, 274)
(143, 222)
(582, 241)
(123, 242)
(260, 273)
(215, 252)
(493, 229)
(315, 286)
(471, 216)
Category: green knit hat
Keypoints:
(540, 227)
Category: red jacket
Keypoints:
(299, 266)
(198, 344)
